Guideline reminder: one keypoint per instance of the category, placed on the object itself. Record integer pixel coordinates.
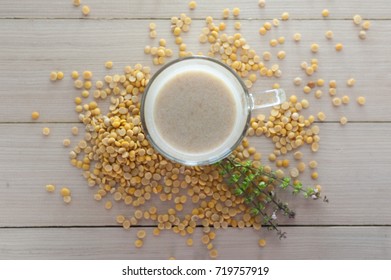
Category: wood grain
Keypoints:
(30, 49)
(349, 178)
(134, 9)
(37, 37)
(115, 243)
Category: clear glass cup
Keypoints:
(245, 103)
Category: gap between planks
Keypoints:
(199, 226)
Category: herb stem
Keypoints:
(251, 184)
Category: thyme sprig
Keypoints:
(258, 189)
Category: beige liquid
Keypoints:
(195, 111)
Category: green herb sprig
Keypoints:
(259, 190)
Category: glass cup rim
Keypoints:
(206, 161)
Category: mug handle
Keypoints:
(267, 98)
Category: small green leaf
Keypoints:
(248, 200)
(266, 219)
(223, 172)
(251, 177)
(261, 207)
(254, 211)
(298, 186)
(238, 192)
(248, 163)
(262, 185)
(310, 191)
(234, 178)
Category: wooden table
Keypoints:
(37, 37)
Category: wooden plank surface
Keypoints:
(115, 243)
(30, 49)
(348, 175)
(135, 9)
(40, 36)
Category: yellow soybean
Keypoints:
(138, 243)
(262, 242)
(60, 75)
(50, 188)
(65, 191)
(35, 115)
(192, 5)
(46, 131)
(85, 10)
(141, 234)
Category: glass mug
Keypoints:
(174, 73)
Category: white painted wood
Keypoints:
(354, 167)
(338, 243)
(135, 9)
(30, 49)
(40, 36)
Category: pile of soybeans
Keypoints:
(116, 159)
